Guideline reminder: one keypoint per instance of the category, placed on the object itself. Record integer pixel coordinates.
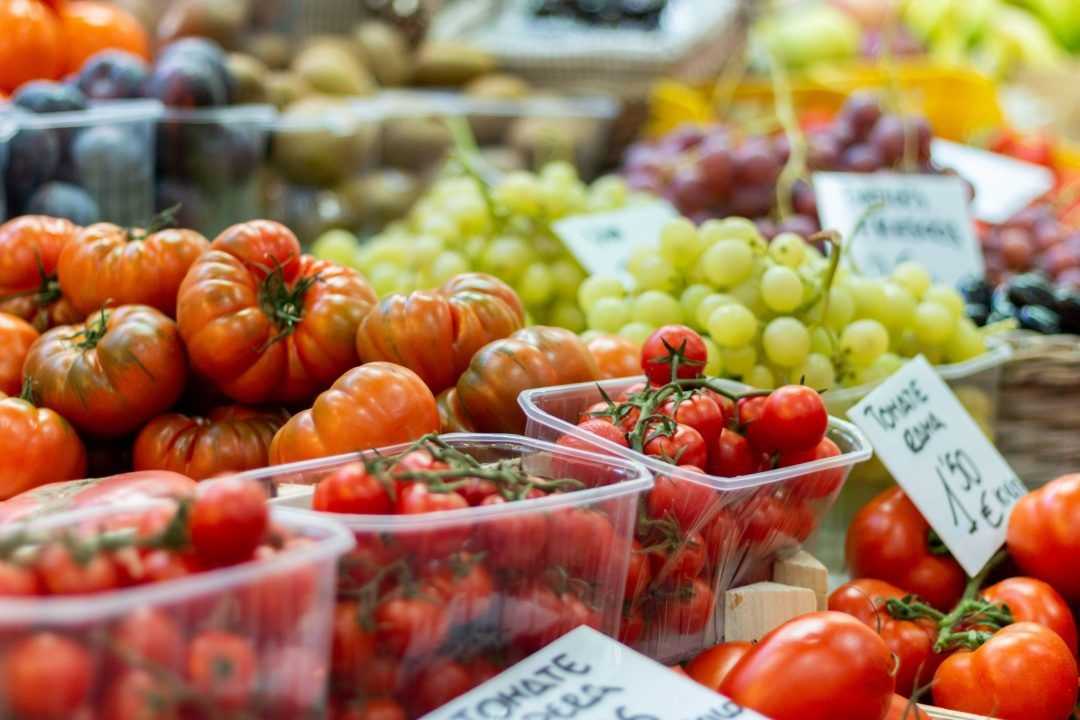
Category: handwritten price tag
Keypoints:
(602, 242)
(925, 218)
(1003, 185)
(938, 455)
(588, 676)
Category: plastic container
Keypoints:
(208, 162)
(271, 616)
(516, 575)
(976, 383)
(742, 522)
(7, 131)
(90, 166)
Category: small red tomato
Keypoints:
(632, 627)
(818, 484)
(632, 390)
(713, 665)
(774, 523)
(467, 589)
(793, 417)
(221, 666)
(673, 350)
(513, 542)
(228, 520)
(411, 626)
(46, 676)
(580, 540)
(292, 682)
(61, 574)
(699, 411)
(1032, 600)
(353, 647)
(684, 501)
(683, 446)
(748, 410)
(679, 561)
(417, 499)
(159, 565)
(438, 684)
(138, 695)
(638, 573)
(600, 428)
(721, 536)
(417, 461)
(17, 581)
(620, 414)
(732, 456)
(382, 676)
(481, 670)
(576, 613)
(352, 489)
(476, 490)
(148, 635)
(530, 617)
(687, 609)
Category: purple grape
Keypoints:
(804, 225)
(781, 148)
(861, 111)
(750, 201)
(755, 163)
(689, 191)
(716, 166)
(682, 138)
(803, 199)
(888, 137)
(644, 181)
(766, 227)
(823, 151)
(923, 136)
(861, 158)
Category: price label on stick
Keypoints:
(942, 460)
(602, 242)
(925, 218)
(588, 676)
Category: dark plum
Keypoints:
(45, 96)
(187, 81)
(1067, 305)
(65, 200)
(977, 312)
(1040, 319)
(212, 155)
(113, 75)
(205, 50)
(192, 211)
(1030, 289)
(33, 159)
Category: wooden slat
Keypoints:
(804, 570)
(753, 610)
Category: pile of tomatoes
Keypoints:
(89, 645)
(692, 539)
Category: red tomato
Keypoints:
(61, 574)
(161, 565)
(221, 667)
(353, 647)
(774, 522)
(513, 542)
(684, 446)
(138, 695)
(417, 499)
(411, 626)
(149, 635)
(684, 501)
(1023, 672)
(17, 581)
(351, 489)
(46, 676)
(580, 540)
(748, 410)
(713, 665)
(900, 708)
(732, 456)
(722, 535)
(379, 708)
(638, 573)
(687, 609)
(631, 627)
(888, 539)
(1032, 600)
(911, 642)
(673, 347)
(1044, 534)
(821, 483)
(530, 617)
(620, 414)
(228, 520)
(820, 666)
(681, 562)
(699, 411)
(438, 684)
(382, 676)
(793, 417)
(467, 589)
(596, 426)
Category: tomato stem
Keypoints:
(283, 303)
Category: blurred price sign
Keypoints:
(1003, 185)
(588, 676)
(942, 460)
(925, 218)
(602, 242)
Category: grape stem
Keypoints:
(795, 167)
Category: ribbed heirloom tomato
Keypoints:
(266, 323)
(111, 374)
(106, 263)
(37, 446)
(1044, 534)
(615, 356)
(435, 333)
(231, 439)
(16, 337)
(30, 248)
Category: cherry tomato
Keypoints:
(61, 574)
(684, 446)
(721, 536)
(467, 588)
(353, 647)
(588, 471)
(1023, 672)
(600, 428)
(438, 684)
(513, 542)
(699, 411)
(416, 498)
(351, 489)
(1043, 535)
(888, 539)
(910, 641)
(732, 456)
(16, 581)
(679, 563)
(793, 417)
(159, 565)
(638, 573)
(621, 415)
(774, 522)
(713, 665)
(531, 617)
(292, 682)
(818, 484)
(411, 626)
(900, 708)
(747, 412)
(686, 610)
(148, 635)
(138, 695)
(673, 347)
(575, 613)
(382, 676)
(820, 666)
(417, 461)
(684, 501)
(477, 490)
(1032, 600)
(580, 540)
(228, 520)
(46, 676)
(379, 708)
(632, 626)
(222, 667)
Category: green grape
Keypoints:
(786, 342)
(518, 192)
(595, 287)
(391, 252)
(337, 246)
(727, 263)
(869, 295)
(898, 307)
(474, 248)
(387, 279)
(608, 314)
(740, 361)
(536, 285)
(425, 249)
(657, 308)
(691, 299)
(788, 249)
(559, 172)
(882, 367)
(637, 332)
(913, 277)
(568, 277)
(816, 371)
(907, 344)
(445, 266)
(966, 342)
(739, 229)
(841, 310)
(947, 297)
(748, 294)
(933, 323)
(714, 364)
(760, 377)
(506, 257)
(471, 214)
(822, 341)
(560, 198)
(438, 225)
(732, 326)
(781, 289)
(608, 193)
(709, 303)
(567, 315)
(680, 245)
(864, 340)
(655, 273)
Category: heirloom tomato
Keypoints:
(37, 446)
(16, 337)
(1044, 534)
(451, 418)
(111, 374)
(30, 248)
(107, 264)
(231, 439)
(435, 333)
(615, 356)
(1031, 600)
(266, 323)
(370, 406)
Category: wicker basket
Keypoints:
(1039, 409)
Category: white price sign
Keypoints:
(588, 676)
(925, 218)
(1003, 185)
(602, 242)
(943, 462)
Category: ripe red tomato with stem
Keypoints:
(416, 498)
(353, 645)
(684, 501)
(1031, 600)
(221, 666)
(732, 455)
(620, 414)
(678, 445)
(411, 625)
(638, 573)
(62, 574)
(711, 666)
(514, 542)
(673, 351)
(352, 489)
(699, 411)
(678, 558)
(1043, 535)
(793, 417)
(148, 635)
(467, 588)
(138, 695)
(46, 675)
(817, 484)
(17, 581)
(686, 609)
(228, 520)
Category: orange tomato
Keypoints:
(30, 45)
(16, 337)
(616, 357)
(37, 446)
(30, 248)
(88, 27)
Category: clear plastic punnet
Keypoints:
(93, 165)
(674, 603)
(268, 620)
(466, 593)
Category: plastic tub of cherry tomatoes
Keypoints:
(472, 552)
(123, 617)
(700, 534)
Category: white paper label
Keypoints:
(586, 675)
(943, 462)
(1003, 185)
(925, 218)
(602, 242)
